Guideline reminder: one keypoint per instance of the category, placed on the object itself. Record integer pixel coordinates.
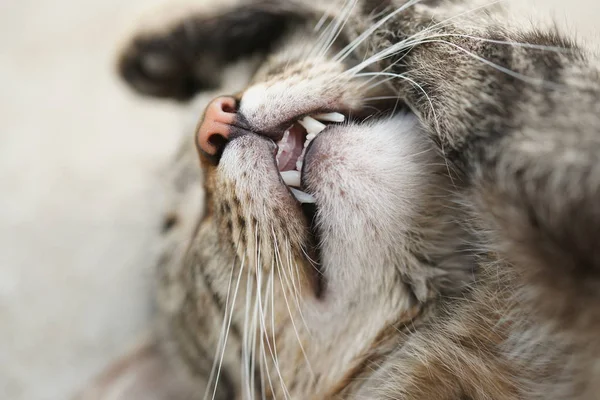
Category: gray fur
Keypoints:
(459, 248)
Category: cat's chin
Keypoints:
(365, 181)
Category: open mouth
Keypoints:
(291, 150)
(292, 147)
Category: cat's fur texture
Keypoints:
(458, 244)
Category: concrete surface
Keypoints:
(79, 188)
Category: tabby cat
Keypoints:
(401, 202)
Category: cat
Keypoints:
(401, 202)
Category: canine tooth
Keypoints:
(291, 178)
(283, 143)
(303, 197)
(330, 117)
(311, 125)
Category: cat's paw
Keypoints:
(173, 49)
(166, 63)
(185, 49)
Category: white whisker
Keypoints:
(517, 75)
(335, 27)
(228, 328)
(342, 54)
(223, 327)
(402, 45)
(283, 278)
(248, 352)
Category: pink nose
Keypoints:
(215, 129)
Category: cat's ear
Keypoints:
(187, 54)
(143, 374)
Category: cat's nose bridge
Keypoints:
(217, 126)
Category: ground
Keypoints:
(80, 171)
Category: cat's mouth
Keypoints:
(292, 148)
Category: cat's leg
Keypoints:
(184, 50)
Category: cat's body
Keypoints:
(453, 253)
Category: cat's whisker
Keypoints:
(323, 18)
(340, 29)
(259, 332)
(403, 45)
(263, 308)
(237, 286)
(247, 351)
(257, 335)
(524, 78)
(272, 291)
(377, 74)
(279, 261)
(280, 265)
(329, 35)
(272, 349)
(414, 83)
(352, 46)
(312, 262)
(223, 326)
(265, 312)
(296, 290)
(283, 278)
(264, 365)
(388, 52)
(532, 46)
(434, 115)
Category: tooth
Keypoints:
(283, 143)
(285, 137)
(291, 178)
(311, 125)
(330, 117)
(299, 165)
(310, 137)
(303, 197)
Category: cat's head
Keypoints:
(318, 169)
(329, 211)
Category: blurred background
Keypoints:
(81, 165)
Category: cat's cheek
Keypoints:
(364, 171)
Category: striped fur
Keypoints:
(458, 243)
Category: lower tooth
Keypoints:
(303, 197)
(291, 178)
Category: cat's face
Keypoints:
(327, 176)
(330, 223)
